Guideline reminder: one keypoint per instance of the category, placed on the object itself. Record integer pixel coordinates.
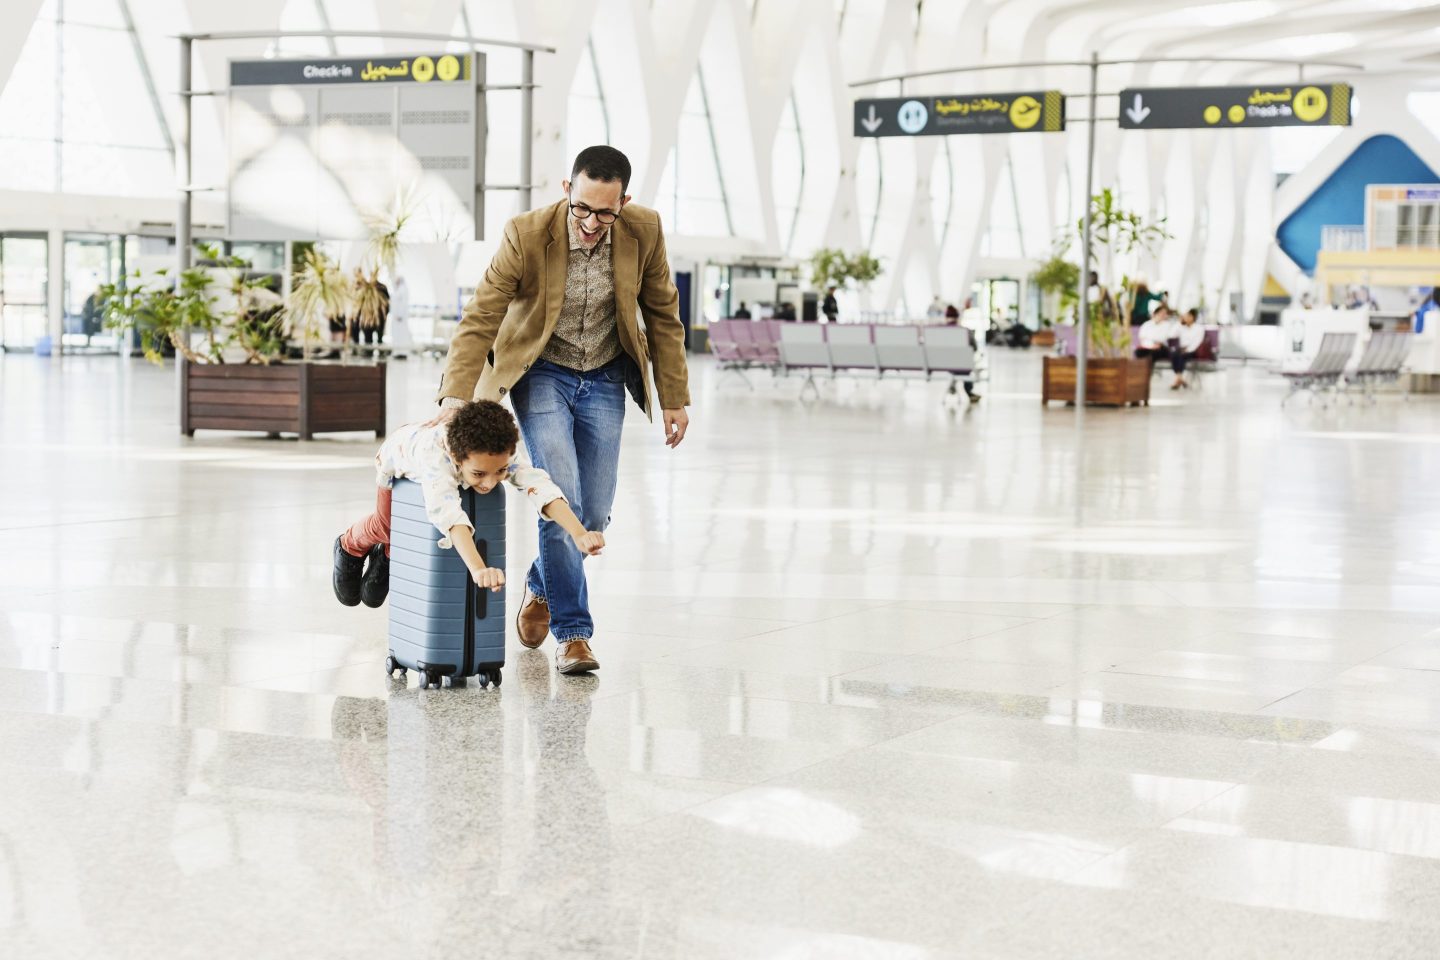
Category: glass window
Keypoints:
(691, 198)
(787, 172)
(76, 112)
(90, 261)
(942, 189)
(24, 280)
(587, 119)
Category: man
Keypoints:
(830, 308)
(553, 325)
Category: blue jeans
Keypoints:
(571, 424)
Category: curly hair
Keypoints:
(482, 426)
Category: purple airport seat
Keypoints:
(723, 343)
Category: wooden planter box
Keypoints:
(1043, 338)
(299, 398)
(1112, 383)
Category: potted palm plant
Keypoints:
(1058, 281)
(231, 351)
(1113, 376)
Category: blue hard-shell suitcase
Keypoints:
(441, 624)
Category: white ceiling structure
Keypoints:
(776, 78)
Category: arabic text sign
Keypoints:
(1040, 111)
(320, 148)
(1280, 105)
(418, 68)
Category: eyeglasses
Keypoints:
(581, 212)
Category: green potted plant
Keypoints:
(1113, 377)
(235, 377)
(832, 267)
(1058, 281)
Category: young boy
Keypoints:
(475, 449)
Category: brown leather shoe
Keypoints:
(533, 621)
(575, 657)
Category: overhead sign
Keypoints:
(1040, 111)
(420, 68)
(1292, 105)
(321, 148)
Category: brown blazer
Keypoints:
(512, 315)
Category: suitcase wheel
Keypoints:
(487, 677)
(391, 665)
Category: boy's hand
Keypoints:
(489, 578)
(590, 543)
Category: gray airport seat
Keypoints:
(851, 347)
(948, 350)
(1325, 368)
(899, 348)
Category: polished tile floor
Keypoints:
(879, 680)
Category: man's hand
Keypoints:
(447, 410)
(677, 421)
(590, 543)
(488, 578)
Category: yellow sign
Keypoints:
(448, 67)
(1025, 112)
(1212, 114)
(1311, 104)
(1237, 114)
(423, 69)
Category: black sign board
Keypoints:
(1040, 111)
(419, 68)
(1288, 105)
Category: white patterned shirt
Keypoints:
(586, 337)
(419, 453)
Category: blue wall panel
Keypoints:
(1340, 200)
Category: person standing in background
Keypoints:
(1142, 302)
(830, 307)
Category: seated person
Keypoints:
(786, 311)
(1189, 337)
(742, 313)
(1153, 338)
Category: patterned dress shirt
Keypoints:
(585, 337)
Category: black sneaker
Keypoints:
(375, 585)
(346, 578)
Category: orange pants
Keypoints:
(374, 529)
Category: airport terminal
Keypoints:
(720, 479)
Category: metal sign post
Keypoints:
(1082, 326)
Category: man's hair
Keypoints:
(1161, 308)
(602, 163)
(482, 427)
